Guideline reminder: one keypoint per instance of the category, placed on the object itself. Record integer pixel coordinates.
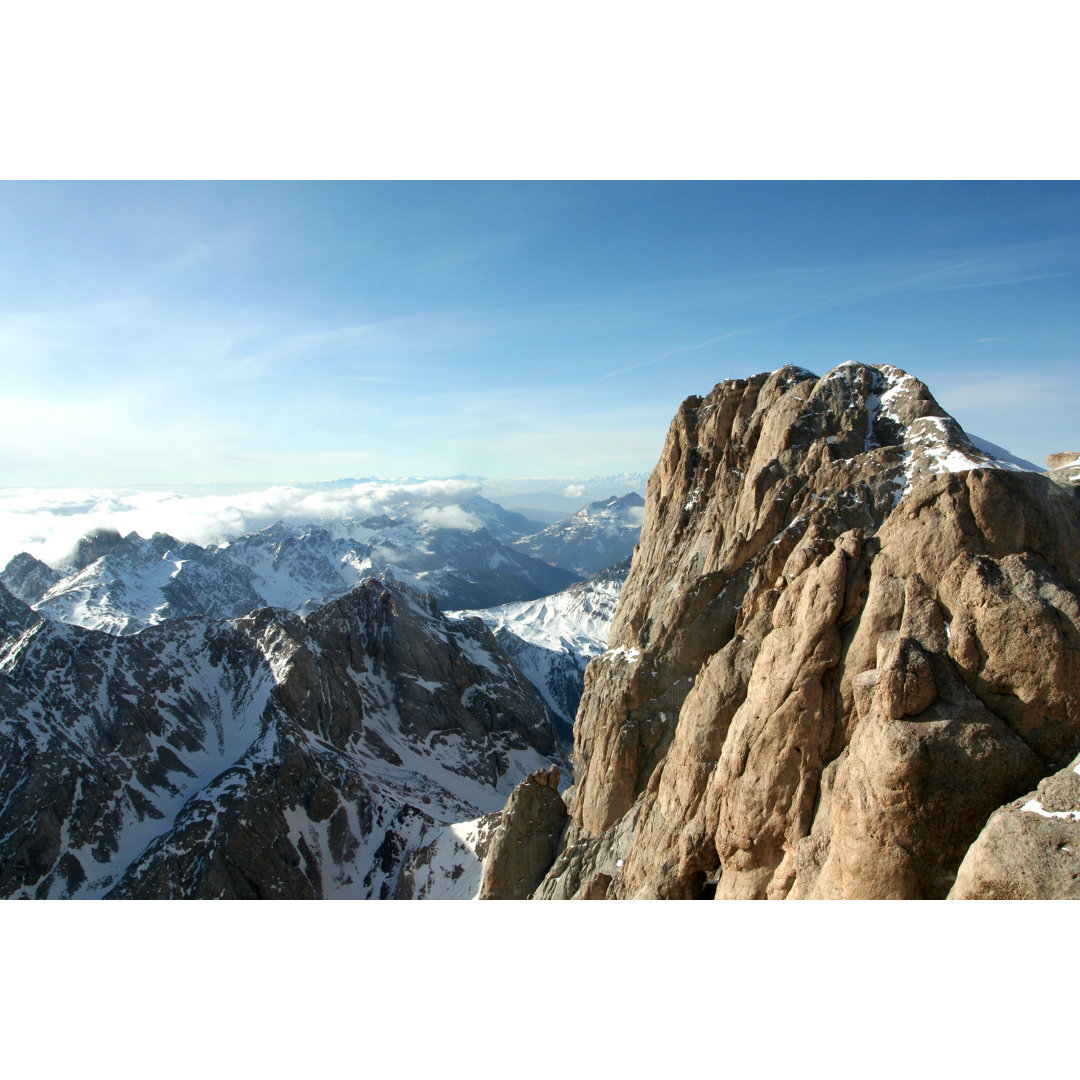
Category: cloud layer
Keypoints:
(48, 522)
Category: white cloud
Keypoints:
(449, 517)
(48, 522)
(574, 491)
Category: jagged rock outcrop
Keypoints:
(28, 578)
(848, 636)
(265, 757)
(525, 843)
(1064, 467)
(1029, 849)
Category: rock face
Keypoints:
(525, 844)
(264, 757)
(1064, 468)
(848, 636)
(1029, 849)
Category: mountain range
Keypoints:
(279, 715)
(265, 756)
(476, 555)
(841, 662)
(124, 583)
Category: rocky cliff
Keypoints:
(846, 656)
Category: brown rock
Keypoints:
(1024, 852)
(524, 847)
(1057, 461)
(816, 686)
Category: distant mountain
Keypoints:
(552, 639)
(559, 495)
(28, 578)
(599, 535)
(504, 525)
(124, 583)
(265, 757)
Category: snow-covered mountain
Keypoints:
(28, 578)
(124, 583)
(552, 639)
(268, 756)
(561, 494)
(504, 525)
(599, 535)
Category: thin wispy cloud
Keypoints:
(262, 332)
(683, 349)
(855, 284)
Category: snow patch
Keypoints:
(1034, 806)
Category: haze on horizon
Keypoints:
(259, 333)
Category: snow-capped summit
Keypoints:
(123, 583)
(599, 535)
(901, 413)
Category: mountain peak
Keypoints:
(814, 684)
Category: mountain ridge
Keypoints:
(123, 583)
(267, 756)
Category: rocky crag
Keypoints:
(845, 663)
(269, 756)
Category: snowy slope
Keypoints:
(599, 535)
(121, 584)
(930, 443)
(269, 756)
(552, 639)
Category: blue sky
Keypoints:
(157, 333)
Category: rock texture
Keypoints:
(848, 636)
(264, 757)
(1029, 849)
(525, 843)
(1064, 467)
